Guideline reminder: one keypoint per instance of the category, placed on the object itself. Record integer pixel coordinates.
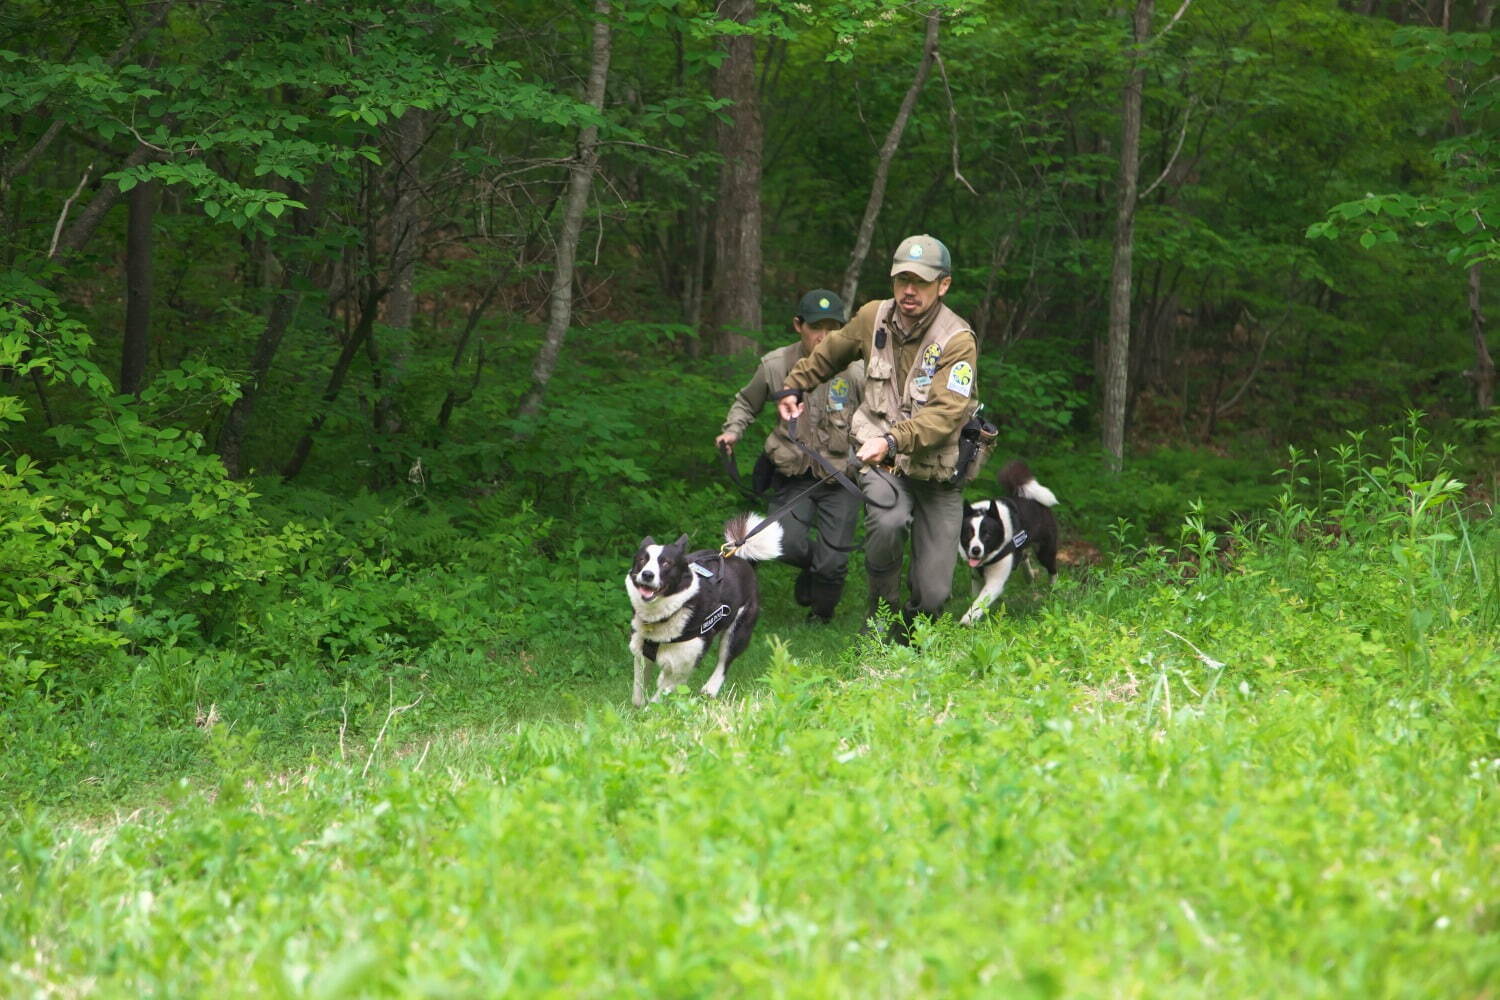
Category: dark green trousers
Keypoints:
(830, 509)
(932, 513)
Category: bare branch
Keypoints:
(1260, 353)
(1187, 114)
(953, 124)
(1175, 18)
(63, 215)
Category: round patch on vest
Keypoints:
(930, 358)
(961, 378)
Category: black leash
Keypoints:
(730, 548)
(832, 475)
(732, 469)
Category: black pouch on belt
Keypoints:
(975, 442)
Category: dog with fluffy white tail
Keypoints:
(684, 600)
(996, 534)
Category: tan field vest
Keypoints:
(824, 425)
(886, 403)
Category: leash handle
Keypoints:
(833, 473)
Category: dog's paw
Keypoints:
(972, 616)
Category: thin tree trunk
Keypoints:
(1484, 365)
(580, 178)
(231, 439)
(1483, 372)
(135, 351)
(400, 307)
(451, 398)
(737, 214)
(1117, 355)
(883, 163)
(357, 338)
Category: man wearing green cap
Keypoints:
(823, 427)
(921, 387)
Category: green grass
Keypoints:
(1270, 772)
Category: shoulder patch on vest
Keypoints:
(961, 378)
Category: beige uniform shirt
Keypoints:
(823, 426)
(930, 434)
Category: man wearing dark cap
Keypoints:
(921, 387)
(824, 428)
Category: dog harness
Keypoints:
(710, 616)
(1014, 543)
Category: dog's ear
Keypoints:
(995, 510)
(681, 543)
(648, 540)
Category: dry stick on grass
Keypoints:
(1208, 661)
(381, 735)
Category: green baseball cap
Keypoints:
(820, 304)
(923, 256)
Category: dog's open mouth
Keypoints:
(647, 593)
(973, 562)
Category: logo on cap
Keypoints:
(822, 303)
(916, 252)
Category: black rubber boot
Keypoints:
(826, 591)
(804, 588)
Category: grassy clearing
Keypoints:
(1271, 771)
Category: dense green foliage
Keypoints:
(1262, 765)
(312, 667)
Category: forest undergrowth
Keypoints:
(1256, 758)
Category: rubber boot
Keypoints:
(804, 588)
(826, 591)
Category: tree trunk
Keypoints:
(883, 163)
(476, 312)
(77, 236)
(580, 178)
(136, 349)
(400, 307)
(232, 434)
(357, 338)
(737, 257)
(1117, 355)
(1484, 364)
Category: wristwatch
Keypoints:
(890, 446)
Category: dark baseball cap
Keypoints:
(820, 304)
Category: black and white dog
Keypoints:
(683, 599)
(998, 533)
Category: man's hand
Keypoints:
(725, 442)
(873, 451)
(789, 407)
